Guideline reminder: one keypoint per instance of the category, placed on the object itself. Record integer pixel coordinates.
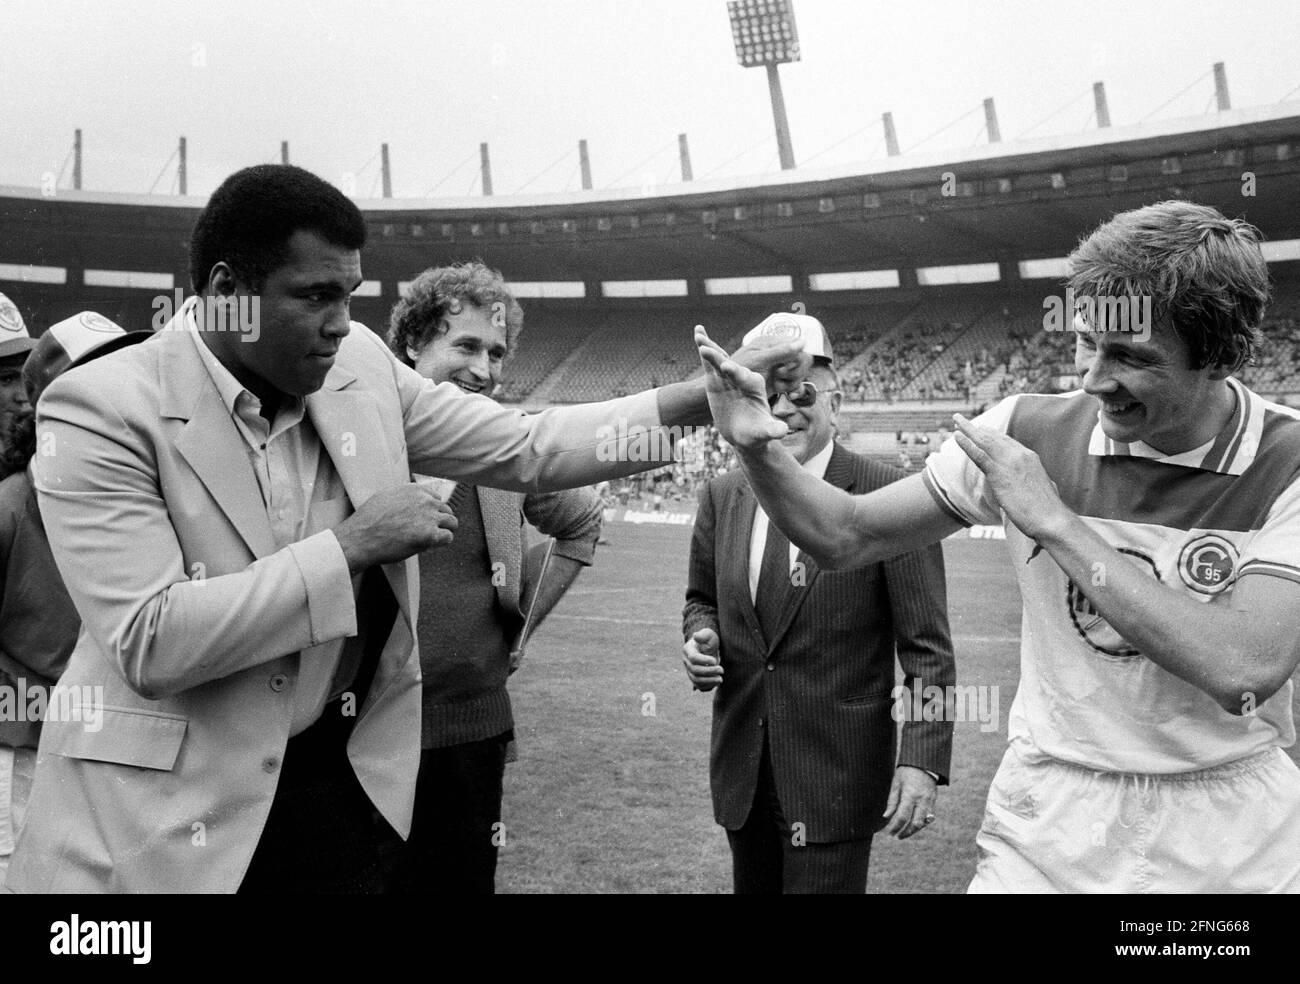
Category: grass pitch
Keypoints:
(611, 790)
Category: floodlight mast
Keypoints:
(764, 34)
(783, 144)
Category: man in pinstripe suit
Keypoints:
(803, 746)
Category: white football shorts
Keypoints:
(1050, 826)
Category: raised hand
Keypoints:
(783, 362)
(1015, 474)
(737, 396)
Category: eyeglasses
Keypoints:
(803, 396)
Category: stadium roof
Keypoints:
(999, 202)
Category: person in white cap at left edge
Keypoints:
(38, 623)
(15, 343)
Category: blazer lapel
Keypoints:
(501, 529)
(839, 472)
(352, 434)
(210, 442)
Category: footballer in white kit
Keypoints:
(1153, 519)
(1111, 754)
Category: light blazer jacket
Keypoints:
(821, 688)
(193, 621)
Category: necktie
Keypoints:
(773, 581)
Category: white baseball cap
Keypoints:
(72, 342)
(802, 327)
(14, 339)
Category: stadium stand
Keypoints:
(616, 359)
(545, 344)
(913, 360)
(960, 345)
(1277, 370)
(587, 354)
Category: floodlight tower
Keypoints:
(765, 34)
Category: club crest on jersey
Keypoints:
(1207, 564)
(1096, 631)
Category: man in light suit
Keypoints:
(803, 719)
(232, 513)
(460, 324)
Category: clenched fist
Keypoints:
(394, 524)
(700, 657)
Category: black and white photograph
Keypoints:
(691, 447)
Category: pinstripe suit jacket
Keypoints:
(820, 689)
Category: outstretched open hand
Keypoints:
(1015, 474)
(737, 397)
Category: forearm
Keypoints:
(684, 404)
(166, 633)
(470, 438)
(838, 530)
(550, 587)
(687, 404)
(1217, 649)
(815, 516)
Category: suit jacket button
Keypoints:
(270, 763)
(771, 666)
(761, 722)
(279, 682)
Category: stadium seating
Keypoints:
(966, 346)
(544, 343)
(1277, 368)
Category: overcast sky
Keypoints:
(432, 78)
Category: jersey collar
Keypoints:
(1230, 453)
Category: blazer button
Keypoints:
(762, 721)
(279, 682)
(270, 763)
(771, 666)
